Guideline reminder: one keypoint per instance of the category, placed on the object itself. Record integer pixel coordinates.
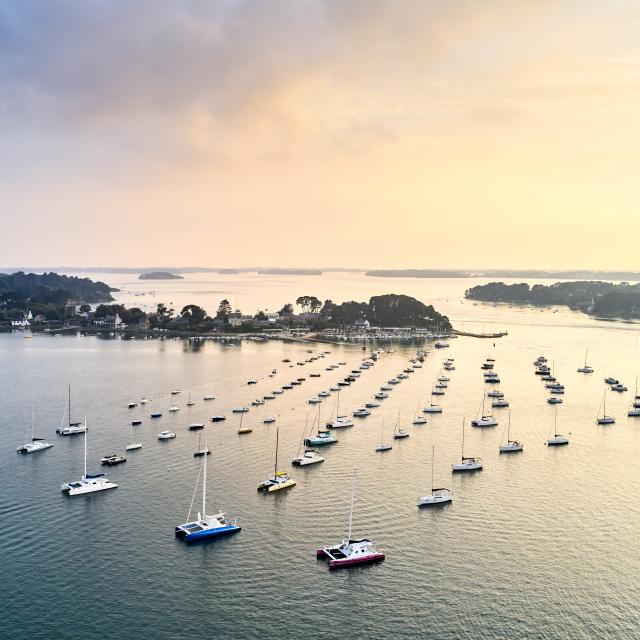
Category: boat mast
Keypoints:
(204, 485)
(433, 455)
(509, 429)
(33, 434)
(555, 422)
(275, 468)
(462, 457)
(69, 405)
(353, 499)
(84, 477)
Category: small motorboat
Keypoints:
(218, 418)
(113, 459)
(277, 392)
(381, 395)
(252, 381)
(166, 435)
(618, 387)
(554, 400)
(157, 414)
(361, 412)
(173, 408)
(268, 420)
(496, 393)
(372, 405)
(239, 409)
(310, 456)
(314, 400)
(499, 403)
(419, 420)
(257, 402)
(194, 426)
(209, 397)
(175, 392)
(132, 405)
(243, 430)
(268, 396)
(611, 381)
(324, 394)
(144, 400)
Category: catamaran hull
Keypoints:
(199, 536)
(77, 491)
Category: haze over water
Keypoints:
(537, 545)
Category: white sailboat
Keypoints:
(89, 483)
(383, 446)
(558, 439)
(280, 479)
(437, 495)
(585, 368)
(71, 428)
(604, 418)
(511, 446)
(466, 463)
(634, 409)
(340, 421)
(35, 444)
(134, 444)
(484, 420)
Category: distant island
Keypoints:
(417, 273)
(590, 296)
(503, 273)
(290, 272)
(159, 275)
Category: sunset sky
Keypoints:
(365, 133)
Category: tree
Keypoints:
(287, 310)
(224, 309)
(314, 304)
(85, 308)
(303, 303)
(193, 314)
(260, 316)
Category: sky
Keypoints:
(335, 133)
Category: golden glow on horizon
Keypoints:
(371, 134)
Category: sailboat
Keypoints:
(382, 446)
(190, 402)
(340, 421)
(205, 526)
(558, 439)
(89, 483)
(466, 463)
(309, 456)
(280, 479)
(512, 445)
(35, 444)
(322, 437)
(399, 434)
(634, 409)
(200, 451)
(417, 418)
(134, 444)
(242, 429)
(72, 428)
(585, 368)
(604, 418)
(484, 420)
(350, 552)
(437, 496)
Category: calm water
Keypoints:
(538, 545)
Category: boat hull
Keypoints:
(207, 534)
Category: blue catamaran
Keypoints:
(205, 526)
